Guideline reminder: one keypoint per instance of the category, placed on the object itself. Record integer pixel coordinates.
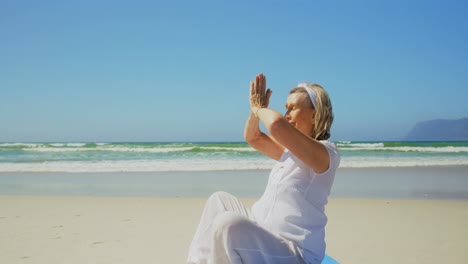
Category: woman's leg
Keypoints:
(238, 239)
(218, 203)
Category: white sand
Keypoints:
(65, 229)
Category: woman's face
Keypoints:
(299, 113)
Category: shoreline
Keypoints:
(447, 182)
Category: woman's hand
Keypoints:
(259, 95)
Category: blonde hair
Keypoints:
(323, 113)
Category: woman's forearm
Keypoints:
(268, 117)
(252, 128)
(259, 140)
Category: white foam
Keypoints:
(361, 145)
(343, 142)
(245, 149)
(150, 150)
(381, 147)
(75, 144)
(385, 162)
(138, 166)
(448, 149)
(77, 147)
(104, 148)
(203, 164)
(57, 144)
(67, 144)
(57, 149)
(19, 144)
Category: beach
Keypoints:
(120, 119)
(90, 229)
(141, 202)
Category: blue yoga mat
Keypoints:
(329, 260)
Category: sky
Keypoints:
(108, 71)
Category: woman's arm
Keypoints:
(283, 134)
(252, 134)
(310, 151)
(261, 141)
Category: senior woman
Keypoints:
(287, 224)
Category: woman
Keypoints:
(287, 224)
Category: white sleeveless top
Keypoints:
(293, 205)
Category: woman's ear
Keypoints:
(313, 116)
(313, 123)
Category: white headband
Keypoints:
(311, 92)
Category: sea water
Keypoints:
(398, 169)
(157, 157)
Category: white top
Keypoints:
(293, 205)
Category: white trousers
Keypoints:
(228, 234)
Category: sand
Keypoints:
(89, 229)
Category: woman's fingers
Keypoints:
(268, 95)
(257, 84)
(264, 90)
(259, 94)
(262, 84)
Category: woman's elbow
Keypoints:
(251, 138)
(277, 127)
(248, 138)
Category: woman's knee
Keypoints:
(219, 195)
(231, 224)
(219, 200)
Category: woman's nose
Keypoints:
(287, 116)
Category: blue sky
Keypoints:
(179, 70)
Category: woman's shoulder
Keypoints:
(333, 152)
(328, 144)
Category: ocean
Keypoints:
(157, 157)
(198, 168)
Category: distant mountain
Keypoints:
(440, 130)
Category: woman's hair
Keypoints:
(323, 113)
